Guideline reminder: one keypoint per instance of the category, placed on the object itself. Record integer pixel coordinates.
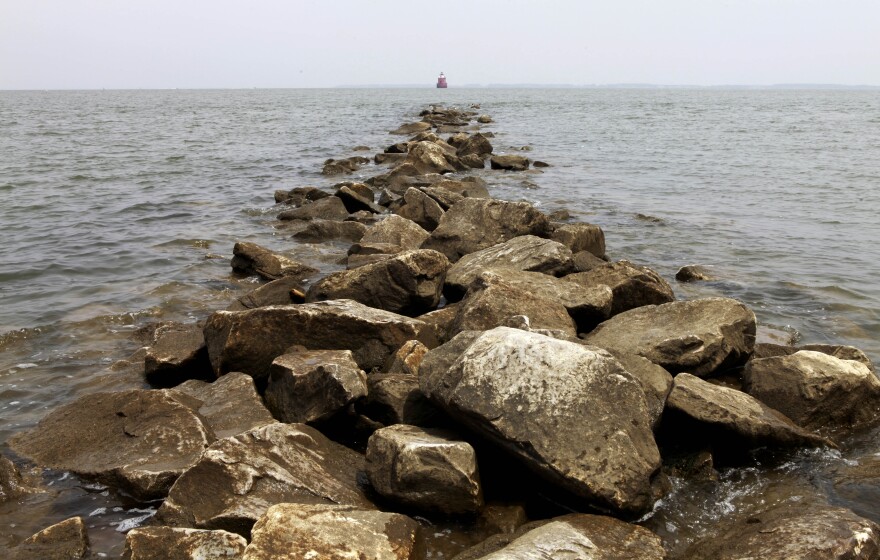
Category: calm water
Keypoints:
(120, 208)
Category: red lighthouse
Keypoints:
(441, 81)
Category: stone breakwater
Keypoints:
(477, 363)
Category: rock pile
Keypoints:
(474, 353)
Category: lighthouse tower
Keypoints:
(441, 81)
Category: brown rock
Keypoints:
(509, 163)
(283, 291)
(347, 165)
(170, 543)
(585, 261)
(396, 230)
(355, 200)
(420, 208)
(68, 540)
(250, 258)
(299, 195)
(329, 208)
(319, 230)
(178, 353)
(581, 237)
(395, 398)
(476, 144)
(407, 358)
(412, 128)
(230, 405)
(633, 286)
(428, 157)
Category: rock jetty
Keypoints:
(476, 365)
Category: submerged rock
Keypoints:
(68, 540)
(693, 273)
(171, 543)
(633, 286)
(347, 165)
(250, 258)
(229, 405)
(556, 406)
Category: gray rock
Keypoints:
(238, 478)
(815, 390)
(412, 128)
(509, 163)
(476, 144)
(250, 258)
(556, 406)
(396, 230)
(319, 230)
(477, 223)
(313, 385)
(139, 441)
(171, 543)
(633, 286)
(395, 398)
(735, 413)
(334, 532)
(525, 253)
(791, 530)
(329, 208)
(484, 119)
(540, 164)
(693, 273)
(248, 341)
(409, 283)
(178, 353)
(426, 469)
(68, 540)
(230, 405)
(701, 336)
(420, 208)
(283, 291)
(581, 237)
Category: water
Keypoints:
(120, 209)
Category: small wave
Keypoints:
(175, 158)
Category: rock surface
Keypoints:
(655, 381)
(412, 128)
(239, 478)
(407, 358)
(139, 441)
(428, 157)
(395, 398)
(509, 163)
(425, 469)
(700, 336)
(633, 286)
(248, 341)
(11, 484)
(178, 353)
(230, 405)
(420, 208)
(554, 405)
(283, 291)
(313, 384)
(170, 543)
(334, 532)
(693, 273)
(319, 230)
(250, 258)
(329, 208)
(581, 237)
(396, 230)
(68, 540)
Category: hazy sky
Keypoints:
(47, 44)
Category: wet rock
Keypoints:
(585, 261)
(420, 208)
(396, 180)
(633, 286)
(484, 119)
(409, 283)
(733, 413)
(693, 273)
(836, 350)
(68, 540)
(178, 353)
(248, 341)
(171, 543)
(560, 215)
(329, 208)
(300, 195)
(395, 398)
(396, 230)
(239, 478)
(138, 440)
(655, 381)
(575, 536)
(469, 187)
(334, 532)
(428, 157)
(407, 358)
(359, 260)
(398, 148)
(476, 223)
(347, 165)
(307, 386)
(389, 158)
(250, 258)
(525, 253)
(283, 291)
(229, 405)
(11, 484)
(412, 128)
(476, 144)
(426, 469)
(473, 161)
(815, 390)
(446, 199)
(319, 230)
(701, 336)
(787, 531)
(581, 237)
(540, 164)
(555, 406)
(355, 201)
(509, 163)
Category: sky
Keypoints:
(92, 44)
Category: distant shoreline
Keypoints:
(727, 87)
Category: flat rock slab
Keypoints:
(793, 531)
(479, 223)
(68, 540)
(334, 532)
(250, 258)
(556, 406)
(313, 385)
(178, 353)
(139, 441)
(425, 469)
(816, 390)
(736, 413)
(633, 286)
(248, 341)
(408, 283)
(229, 405)
(525, 253)
(239, 478)
(701, 336)
(173, 543)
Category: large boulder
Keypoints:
(328, 208)
(174, 543)
(334, 532)
(633, 286)
(356, 199)
(229, 405)
(428, 157)
(556, 406)
(250, 258)
(283, 291)
(396, 230)
(425, 469)
(407, 358)
(313, 385)
(793, 531)
(395, 398)
(479, 223)
(509, 163)
(139, 441)
(420, 208)
(528, 253)
(409, 283)
(726, 415)
(68, 540)
(475, 144)
(319, 230)
(701, 336)
(817, 391)
(581, 237)
(178, 353)
(655, 381)
(468, 187)
(248, 341)
(239, 478)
